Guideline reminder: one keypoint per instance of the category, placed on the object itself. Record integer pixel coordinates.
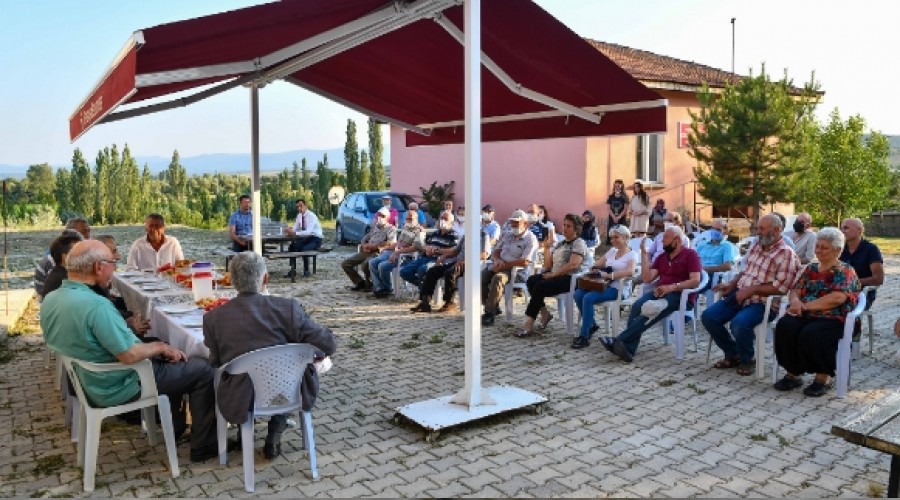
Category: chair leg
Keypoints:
(147, 415)
(82, 430)
(91, 439)
(508, 301)
(247, 445)
(760, 351)
(165, 417)
(871, 333)
(222, 436)
(310, 442)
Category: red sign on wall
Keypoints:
(684, 130)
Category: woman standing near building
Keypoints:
(639, 209)
(616, 202)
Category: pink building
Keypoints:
(570, 175)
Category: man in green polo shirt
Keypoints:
(84, 325)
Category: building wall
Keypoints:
(566, 175)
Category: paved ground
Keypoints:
(656, 427)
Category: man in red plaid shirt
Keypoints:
(771, 269)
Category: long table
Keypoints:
(143, 297)
(182, 331)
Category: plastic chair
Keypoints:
(277, 373)
(842, 366)
(514, 284)
(764, 332)
(91, 418)
(868, 315)
(613, 308)
(400, 286)
(565, 304)
(677, 319)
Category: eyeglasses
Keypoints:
(110, 261)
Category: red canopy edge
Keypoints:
(114, 89)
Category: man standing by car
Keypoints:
(382, 235)
(393, 218)
(307, 232)
(241, 224)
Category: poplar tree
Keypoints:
(81, 191)
(63, 192)
(365, 182)
(101, 186)
(351, 158)
(377, 179)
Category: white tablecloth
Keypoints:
(182, 331)
(140, 300)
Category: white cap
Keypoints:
(385, 211)
(518, 215)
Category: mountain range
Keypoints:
(231, 163)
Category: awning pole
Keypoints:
(471, 395)
(254, 168)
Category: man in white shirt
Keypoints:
(804, 238)
(307, 232)
(156, 249)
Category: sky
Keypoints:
(54, 52)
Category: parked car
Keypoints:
(355, 213)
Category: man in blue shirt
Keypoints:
(241, 224)
(716, 254)
(85, 325)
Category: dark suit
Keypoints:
(252, 321)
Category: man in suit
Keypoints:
(252, 321)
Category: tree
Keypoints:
(63, 192)
(101, 182)
(295, 178)
(351, 158)
(39, 184)
(847, 175)
(82, 186)
(365, 182)
(377, 180)
(748, 140)
(323, 184)
(131, 188)
(305, 181)
(176, 175)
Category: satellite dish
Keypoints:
(336, 195)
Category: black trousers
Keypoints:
(437, 272)
(541, 288)
(807, 345)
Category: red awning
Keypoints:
(400, 62)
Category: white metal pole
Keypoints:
(254, 168)
(472, 394)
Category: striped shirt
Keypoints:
(778, 266)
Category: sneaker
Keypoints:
(271, 450)
(449, 307)
(580, 342)
(621, 351)
(367, 286)
(359, 286)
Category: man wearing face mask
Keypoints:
(490, 227)
(677, 269)
(672, 219)
(515, 248)
(771, 269)
(804, 238)
(459, 222)
(438, 243)
(716, 253)
(411, 239)
(381, 236)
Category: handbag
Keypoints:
(592, 282)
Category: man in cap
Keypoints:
(382, 235)
(438, 243)
(394, 215)
(515, 248)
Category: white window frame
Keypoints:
(643, 175)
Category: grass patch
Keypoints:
(696, 389)
(45, 466)
(6, 353)
(886, 245)
(356, 343)
(459, 373)
(875, 490)
(759, 437)
(436, 338)
(409, 345)
(415, 336)
(666, 383)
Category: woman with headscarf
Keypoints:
(657, 217)
(590, 234)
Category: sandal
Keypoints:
(727, 363)
(543, 324)
(745, 369)
(817, 388)
(524, 333)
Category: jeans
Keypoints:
(414, 271)
(585, 300)
(740, 341)
(638, 324)
(305, 244)
(380, 269)
(193, 377)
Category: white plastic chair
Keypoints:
(869, 317)
(565, 304)
(401, 287)
(91, 418)
(842, 366)
(277, 373)
(764, 332)
(613, 308)
(677, 319)
(514, 284)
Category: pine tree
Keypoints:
(323, 184)
(351, 158)
(377, 179)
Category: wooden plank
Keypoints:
(860, 426)
(886, 438)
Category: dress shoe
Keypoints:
(212, 451)
(271, 450)
(380, 294)
(423, 306)
(359, 286)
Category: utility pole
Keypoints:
(732, 45)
